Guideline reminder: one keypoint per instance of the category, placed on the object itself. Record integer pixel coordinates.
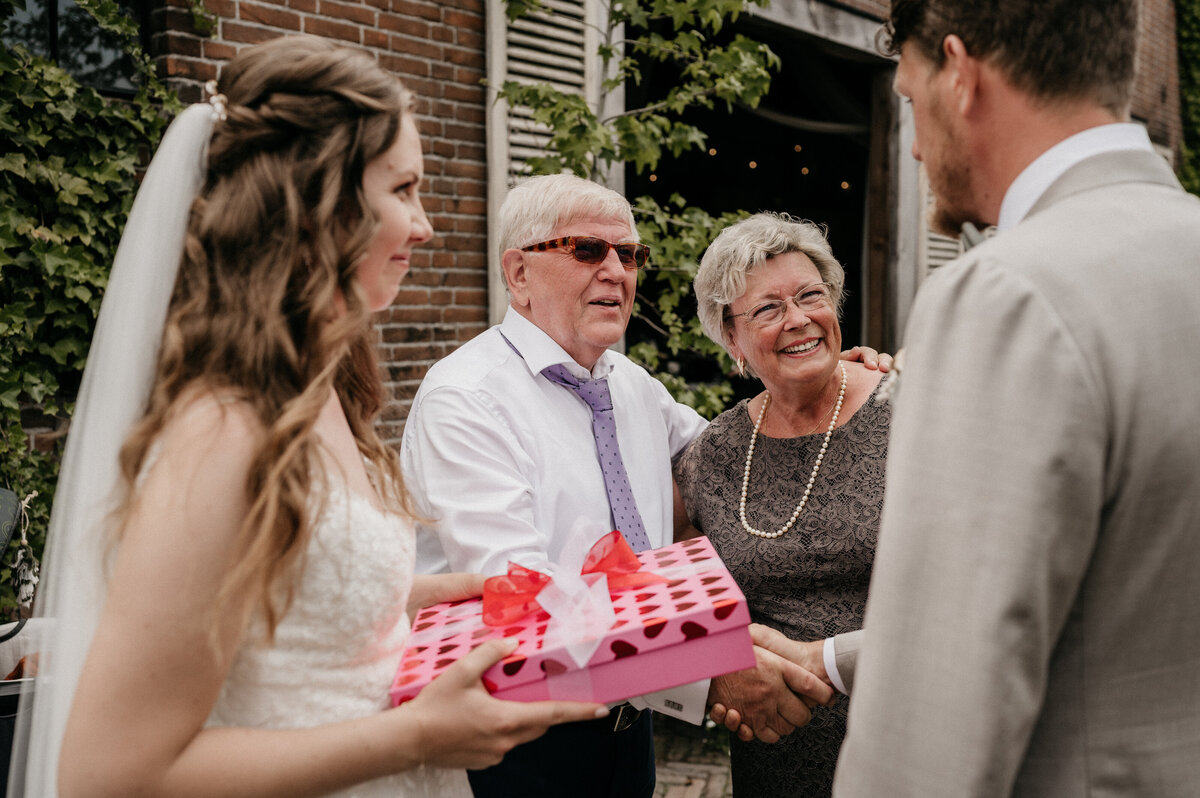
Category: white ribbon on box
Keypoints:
(580, 614)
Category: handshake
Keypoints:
(776, 696)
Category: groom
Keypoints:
(1033, 623)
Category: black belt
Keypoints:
(621, 717)
(618, 719)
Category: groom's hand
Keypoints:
(809, 655)
(768, 701)
(803, 669)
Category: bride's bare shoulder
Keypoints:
(207, 422)
(195, 476)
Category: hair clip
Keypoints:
(216, 100)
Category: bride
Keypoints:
(230, 565)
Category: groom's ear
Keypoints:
(964, 72)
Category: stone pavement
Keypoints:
(692, 762)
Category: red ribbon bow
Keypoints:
(510, 597)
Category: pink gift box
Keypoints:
(692, 626)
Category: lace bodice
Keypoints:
(337, 648)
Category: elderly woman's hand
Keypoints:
(869, 358)
(768, 701)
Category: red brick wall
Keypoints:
(1156, 93)
(437, 49)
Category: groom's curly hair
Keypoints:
(272, 244)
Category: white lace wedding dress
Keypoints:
(337, 648)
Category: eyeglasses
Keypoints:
(808, 298)
(588, 249)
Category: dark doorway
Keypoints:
(805, 151)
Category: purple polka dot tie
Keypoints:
(594, 393)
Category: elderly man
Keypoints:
(505, 452)
(1031, 627)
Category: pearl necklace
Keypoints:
(837, 408)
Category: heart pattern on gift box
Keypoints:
(698, 598)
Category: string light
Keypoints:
(804, 170)
(797, 148)
(653, 178)
(845, 184)
(712, 150)
(754, 164)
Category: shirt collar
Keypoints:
(1051, 164)
(540, 350)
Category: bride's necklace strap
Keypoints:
(812, 478)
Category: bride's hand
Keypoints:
(462, 726)
(430, 589)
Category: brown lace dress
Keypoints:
(810, 583)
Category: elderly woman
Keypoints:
(788, 485)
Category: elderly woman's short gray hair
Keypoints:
(536, 207)
(741, 247)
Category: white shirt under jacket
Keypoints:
(502, 461)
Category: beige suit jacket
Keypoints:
(1033, 623)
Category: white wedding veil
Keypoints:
(112, 398)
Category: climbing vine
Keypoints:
(69, 161)
(1187, 27)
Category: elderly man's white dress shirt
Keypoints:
(502, 460)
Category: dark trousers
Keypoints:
(576, 760)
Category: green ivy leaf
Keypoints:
(68, 172)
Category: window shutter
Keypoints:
(935, 248)
(556, 45)
(549, 46)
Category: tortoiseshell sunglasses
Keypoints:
(592, 250)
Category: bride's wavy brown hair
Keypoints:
(273, 239)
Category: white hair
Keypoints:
(537, 207)
(741, 247)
